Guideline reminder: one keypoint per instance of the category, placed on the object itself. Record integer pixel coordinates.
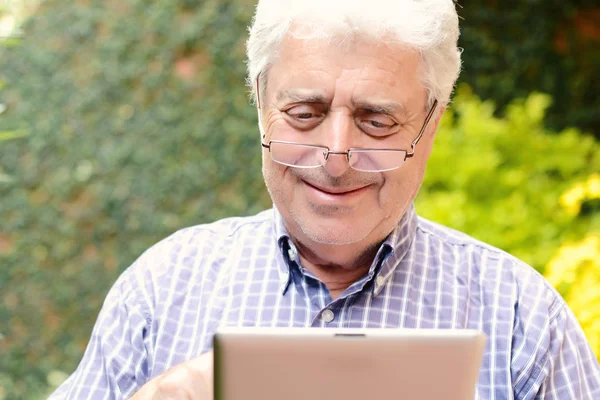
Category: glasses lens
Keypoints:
(376, 160)
(297, 155)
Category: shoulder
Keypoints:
(223, 230)
(456, 239)
(496, 271)
(221, 236)
(540, 329)
(190, 258)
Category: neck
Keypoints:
(337, 266)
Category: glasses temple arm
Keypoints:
(257, 93)
(423, 128)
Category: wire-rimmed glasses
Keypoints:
(300, 155)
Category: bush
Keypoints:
(575, 272)
(513, 48)
(507, 177)
(138, 124)
(575, 268)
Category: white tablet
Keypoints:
(348, 364)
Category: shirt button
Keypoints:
(327, 315)
(380, 280)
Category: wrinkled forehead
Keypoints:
(319, 68)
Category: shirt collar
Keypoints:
(390, 253)
(395, 247)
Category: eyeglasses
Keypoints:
(300, 155)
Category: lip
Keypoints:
(335, 191)
(333, 194)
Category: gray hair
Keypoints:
(427, 26)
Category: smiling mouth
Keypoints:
(335, 191)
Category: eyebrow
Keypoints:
(384, 107)
(301, 95)
(310, 96)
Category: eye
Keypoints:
(304, 112)
(376, 124)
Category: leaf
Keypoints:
(9, 41)
(9, 135)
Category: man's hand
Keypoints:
(192, 380)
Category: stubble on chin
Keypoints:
(321, 223)
(316, 229)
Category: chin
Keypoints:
(332, 238)
(333, 231)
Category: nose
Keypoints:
(338, 137)
(336, 163)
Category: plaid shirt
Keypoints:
(166, 307)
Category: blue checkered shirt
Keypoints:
(166, 307)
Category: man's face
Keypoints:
(368, 96)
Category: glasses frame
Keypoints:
(348, 153)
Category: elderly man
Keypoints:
(349, 97)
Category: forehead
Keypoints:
(355, 68)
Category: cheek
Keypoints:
(276, 179)
(269, 171)
(400, 189)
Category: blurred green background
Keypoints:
(123, 121)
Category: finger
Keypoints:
(191, 380)
(203, 368)
(175, 384)
(202, 363)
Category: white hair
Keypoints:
(427, 26)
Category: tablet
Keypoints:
(348, 364)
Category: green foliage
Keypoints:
(513, 48)
(7, 42)
(8, 135)
(138, 124)
(500, 179)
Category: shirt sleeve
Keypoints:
(563, 366)
(114, 365)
